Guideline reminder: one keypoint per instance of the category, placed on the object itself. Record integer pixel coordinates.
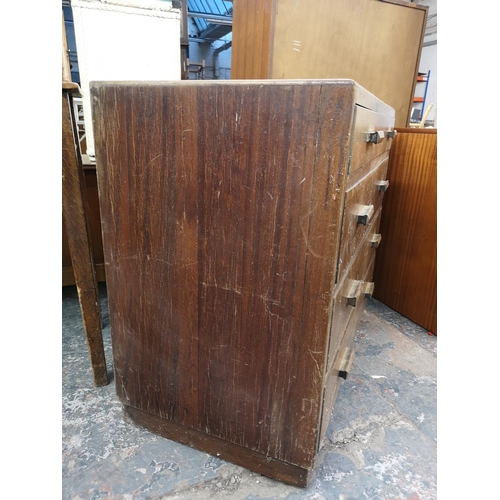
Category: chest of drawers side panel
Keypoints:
(221, 217)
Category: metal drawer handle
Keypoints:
(346, 362)
(382, 185)
(391, 134)
(375, 240)
(368, 289)
(375, 137)
(365, 213)
(354, 292)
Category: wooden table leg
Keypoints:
(75, 211)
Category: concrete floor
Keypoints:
(380, 444)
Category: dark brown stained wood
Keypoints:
(262, 464)
(252, 39)
(75, 214)
(68, 276)
(222, 206)
(405, 268)
(213, 201)
(324, 239)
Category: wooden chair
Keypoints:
(75, 214)
(75, 210)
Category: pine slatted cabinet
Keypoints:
(240, 224)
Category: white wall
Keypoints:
(124, 40)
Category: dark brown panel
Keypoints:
(405, 268)
(68, 276)
(262, 464)
(215, 198)
(335, 117)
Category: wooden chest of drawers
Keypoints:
(240, 222)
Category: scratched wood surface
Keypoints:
(221, 210)
(406, 263)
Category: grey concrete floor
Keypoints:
(381, 441)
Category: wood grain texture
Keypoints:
(253, 24)
(94, 218)
(217, 258)
(376, 43)
(222, 206)
(68, 276)
(406, 263)
(75, 214)
(225, 450)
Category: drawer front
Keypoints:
(345, 351)
(343, 303)
(368, 122)
(362, 202)
(352, 326)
